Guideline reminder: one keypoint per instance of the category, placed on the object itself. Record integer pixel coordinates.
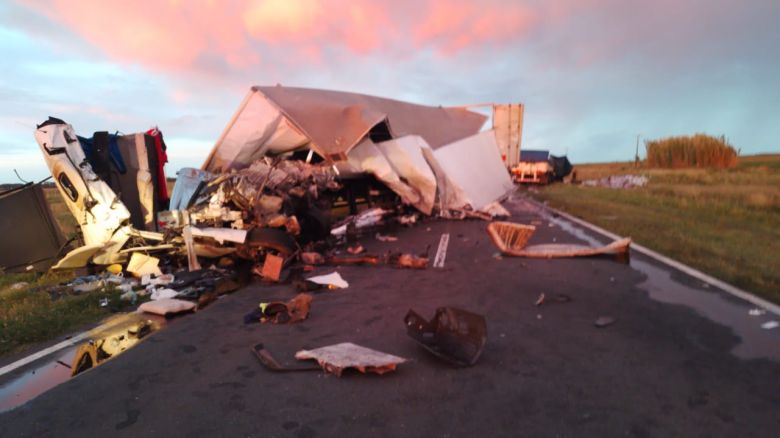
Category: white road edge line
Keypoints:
(441, 253)
(43, 353)
(733, 290)
(64, 344)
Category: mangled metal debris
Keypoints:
(272, 199)
(265, 358)
(95, 352)
(277, 120)
(455, 335)
(413, 150)
(103, 218)
(512, 239)
(363, 220)
(256, 197)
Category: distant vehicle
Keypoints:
(539, 167)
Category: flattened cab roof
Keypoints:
(335, 121)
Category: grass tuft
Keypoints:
(700, 150)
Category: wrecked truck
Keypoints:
(288, 158)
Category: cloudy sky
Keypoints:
(593, 74)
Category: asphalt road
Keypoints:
(660, 370)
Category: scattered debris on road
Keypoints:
(604, 321)
(295, 310)
(337, 358)
(455, 335)
(331, 281)
(265, 358)
(291, 185)
(769, 325)
(512, 238)
(95, 352)
(167, 306)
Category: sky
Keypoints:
(593, 74)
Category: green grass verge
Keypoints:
(61, 213)
(725, 223)
(30, 315)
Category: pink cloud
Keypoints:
(163, 35)
(452, 26)
(214, 38)
(283, 20)
(357, 25)
(177, 35)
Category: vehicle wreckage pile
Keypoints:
(272, 185)
(279, 192)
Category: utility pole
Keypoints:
(636, 154)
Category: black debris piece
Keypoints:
(455, 335)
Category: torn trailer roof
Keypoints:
(433, 158)
(274, 120)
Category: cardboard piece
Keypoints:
(141, 264)
(272, 268)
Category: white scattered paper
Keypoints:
(161, 280)
(769, 325)
(333, 278)
(164, 293)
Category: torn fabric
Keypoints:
(367, 157)
(407, 159)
